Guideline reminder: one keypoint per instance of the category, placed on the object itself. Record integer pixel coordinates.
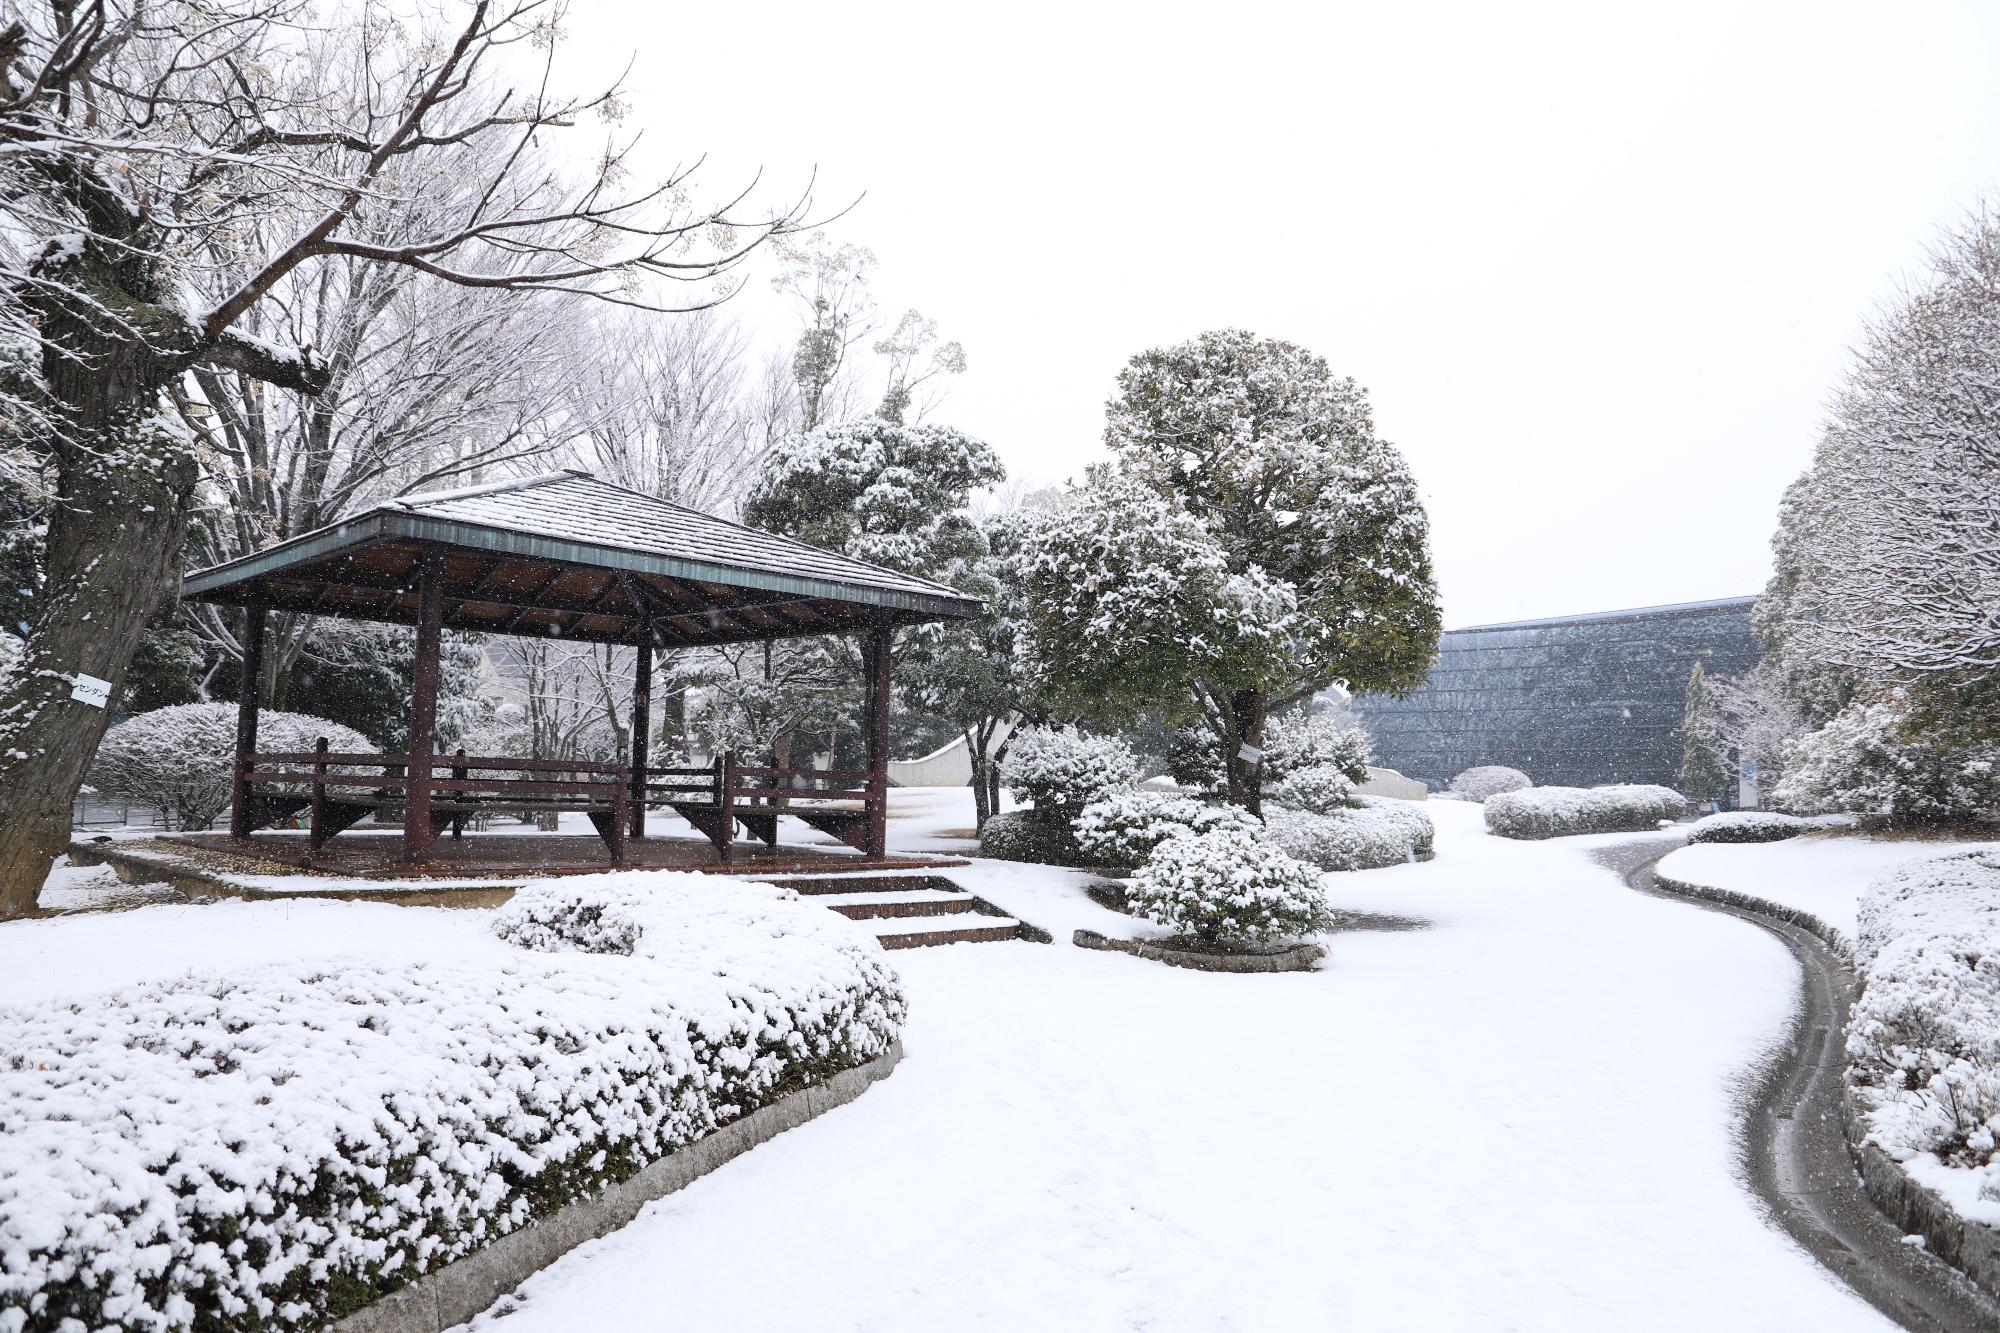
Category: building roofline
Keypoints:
(1631, 613)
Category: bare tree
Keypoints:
(134, 138)
(914, 357)
(673, 414)
(829, 284)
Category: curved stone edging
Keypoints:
(1971, 1251)
(1297, 958)
(454, 1294)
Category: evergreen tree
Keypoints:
(1704, 754)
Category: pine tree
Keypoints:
(1704, 755)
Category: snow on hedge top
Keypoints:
(1476, 784)
(1757, 826)
(1936, 896)
(241, 1151)
(1553, 812)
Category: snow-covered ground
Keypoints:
(1823, 874)
(1518, 1118)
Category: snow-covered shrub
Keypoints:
(1061, 769)
(179, 760)
(1751, 826)
(1376, 831)
(1406, 815)
(1476, 784)
(1554, 812)
(1029, 835)
(1321, 789)
(1923, 1044)
(1122, 828)
(273, 1148)
(1229, 886)
(1300, 740)
(1861, 762)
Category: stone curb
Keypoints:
(463, 1288)
(1298, 958)
(1915, 1209)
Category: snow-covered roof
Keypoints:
(1672, 608)
(502, 537)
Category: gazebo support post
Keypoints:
(417, 830)
(249, 689)
(642, 723)
(878, 662)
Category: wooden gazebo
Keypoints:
(564, 555)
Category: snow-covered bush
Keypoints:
(274, 1148)
(1322, 789)
(1923, 1044)
(1028, 835)
(1751, 826)
(179, 760)
(1861, 762)
(1228, 886)
(1476, 784)
(1376, 832)
(1554, 812)
(1406, 815)
(1122, 828)
(1061, 769)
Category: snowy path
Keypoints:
(1519, 1119)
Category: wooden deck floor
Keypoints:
(372, 855)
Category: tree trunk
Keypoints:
(982, 808)
(123, 486)
(1248, 709)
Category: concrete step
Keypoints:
(922, 932)
(918, 902)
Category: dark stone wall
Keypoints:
(1575, 702)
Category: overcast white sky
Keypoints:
(1596, 264)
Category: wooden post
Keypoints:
(877, 659)
(459, 772)
(249, 685)
(316, 838)
(620, 793)
(642, 723)
(725, 804)
(417, 830)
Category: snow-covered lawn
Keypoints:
(1518, 1118)
(1823, 874)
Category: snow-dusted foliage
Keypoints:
(1121, 828)
(1230, 886)
(1476, 784)
(1293, 742)
(1356, 839)
(1029, 835)
(1406, 815)
(1554, 812)
(179, 759)
(274, 1148)
(1863, 762)
(1062, 769)
(1321, 789)
(1895, 523)
(1923, 1045)
(1752, 826)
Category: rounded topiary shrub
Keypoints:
(1028, 835)
(179, 760)
(1750, 826)
(1228, 886)
(1322, 789)
(1121, 828)
(1476, 784)
(1061, 770)
(1358, 838)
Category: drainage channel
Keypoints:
(1795, 1155)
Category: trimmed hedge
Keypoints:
(1557, 812)
(1122, 828)
(1384, 832)
(1753, 826)
(1029, 835)
(276, 1148)
(1229, 886)
(1488, 780)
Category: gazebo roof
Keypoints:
(566, 555)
